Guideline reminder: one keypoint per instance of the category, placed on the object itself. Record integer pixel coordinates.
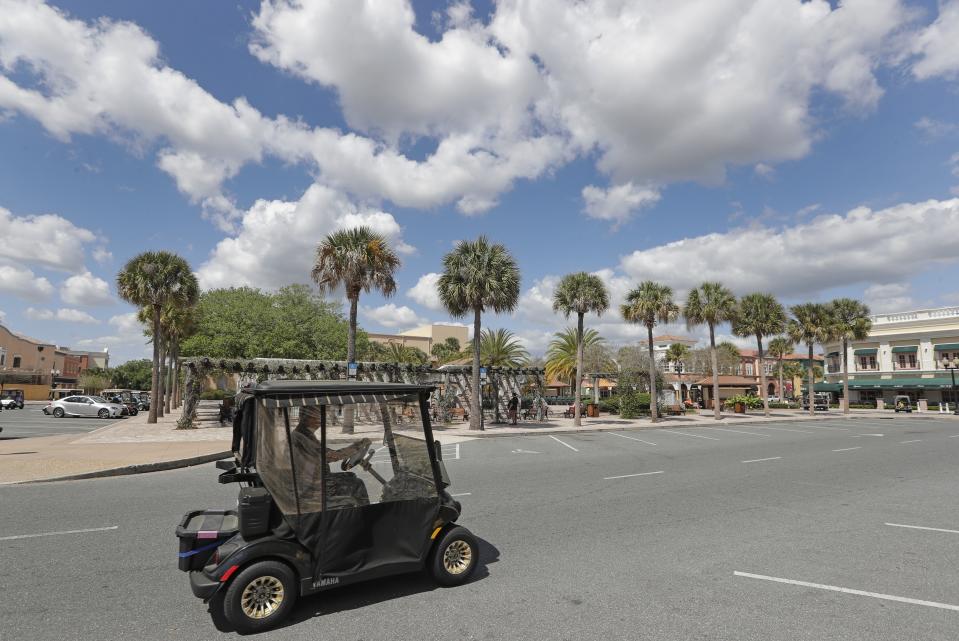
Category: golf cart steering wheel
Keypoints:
(357, 456)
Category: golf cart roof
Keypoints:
(292, 393)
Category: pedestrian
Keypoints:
(512, 407)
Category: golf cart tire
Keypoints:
(233, 609)
(446, 562)
(58, 412)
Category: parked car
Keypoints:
(85, 406)
(144, 401)
(63, 392)
(821, 402)
(902, 403)
(12, 399)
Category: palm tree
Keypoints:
(579, 294)
(779, 348)
(678, 354)
(649, 304)
(359, 260)
(500, 349)
(759, 315)
(710, 304)
(563, 350)
(810, 324)
(478, 275)
(850, 321)
(793, 370)
(177, 322)
(399, 353)
(151, 280)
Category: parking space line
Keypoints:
(33, 536)
(632, 438)
(626, 476)
(462, 494)
(822, 427)
(915, 440)
(835, 588)
(563, 443)
(847, 449)
(757, 460)
(782, 429)
(921, 527)
(723, 429)
(693, 435)
(954, 436)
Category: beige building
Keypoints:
(903, 354)
(424, 337)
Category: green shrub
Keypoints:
(633, 404)
(216, 395)
(782, 406)
(610, 404)
(751, 402)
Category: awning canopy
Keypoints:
(901, 383)
(905, 349)
(946, 346)
(827, 387)
(832, 354)
(866, 352)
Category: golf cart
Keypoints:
(902, 403)
(301, 528)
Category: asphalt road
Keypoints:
(31, 421)
(576, 544)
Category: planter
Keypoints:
(592, 410)
(740, 408)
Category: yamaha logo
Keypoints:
(331, 580)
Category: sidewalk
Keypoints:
(130, 446)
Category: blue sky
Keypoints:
(808, 149)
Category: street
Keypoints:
(31, 421)
(829, 529)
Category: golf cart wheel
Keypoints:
(260, 596)
(104, 413)
(58, 412)
(454, 557)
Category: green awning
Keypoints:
(901, 383)
(906, 349)
(827, 387)
(866, 352)
(832, 354)
(946, 347)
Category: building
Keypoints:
(424, 337)
(661, 346)
(26, 363)
(749, 367)
(903, 354)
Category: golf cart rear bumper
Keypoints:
(203, 586)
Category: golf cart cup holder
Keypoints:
(200, 533)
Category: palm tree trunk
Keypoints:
(175, 360)
(812, 384)
(161, 383)
(782, 390)
(653, 397)
(715, 362)
(155, 372)
(350, 358)
(476, 415)
(845, 377)
(577, 418)
(169, 381)
(762, 376)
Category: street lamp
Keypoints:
(679, 372)
(951, 364)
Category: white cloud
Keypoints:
(127, 332)
(389, 315)
(87, 290)
(862, 246)
(102, 255)
(63, 314)
(618, 203)
(425, 292)
(891, 297)
(937, 46)
(47, 240)
(23, 283)
(765, 171)
(536, 303)
(932, 128)
(276, 242)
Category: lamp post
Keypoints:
(679, 373)
(951, 364)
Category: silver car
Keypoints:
(85, 406)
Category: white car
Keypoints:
(96, 406)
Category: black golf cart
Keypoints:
(300, 527)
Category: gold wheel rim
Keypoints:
(262, 597)
(457, 557)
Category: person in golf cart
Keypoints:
(309, 451)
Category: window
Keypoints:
(16, 362)
(768, 367)
(749, 369)
(906, 361)
(940, 357)
(867, 363)
(3, 357)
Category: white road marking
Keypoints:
(954, 436)
(920, 527)
(32, 536)
(822, 427)
(916, 440)
(859, 435)
(834, 588)
(462, 494)
(632, 438)
(783, 429)
(563, 443)
(757, 460)
(626, 476)
(693, 435)
(723, 429)
(847, 449)
(525, 452)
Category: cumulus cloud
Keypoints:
(394, 317)
(861, 246)
(127, 332)
(23, 283)
(102, 255)
(937, 46)
(891, 297)
(618, 203)
(46, 240)
(425, 292)
(277, 239)
(87, 290)
(63, 314)
(932, 128)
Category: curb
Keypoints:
(127, 470)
